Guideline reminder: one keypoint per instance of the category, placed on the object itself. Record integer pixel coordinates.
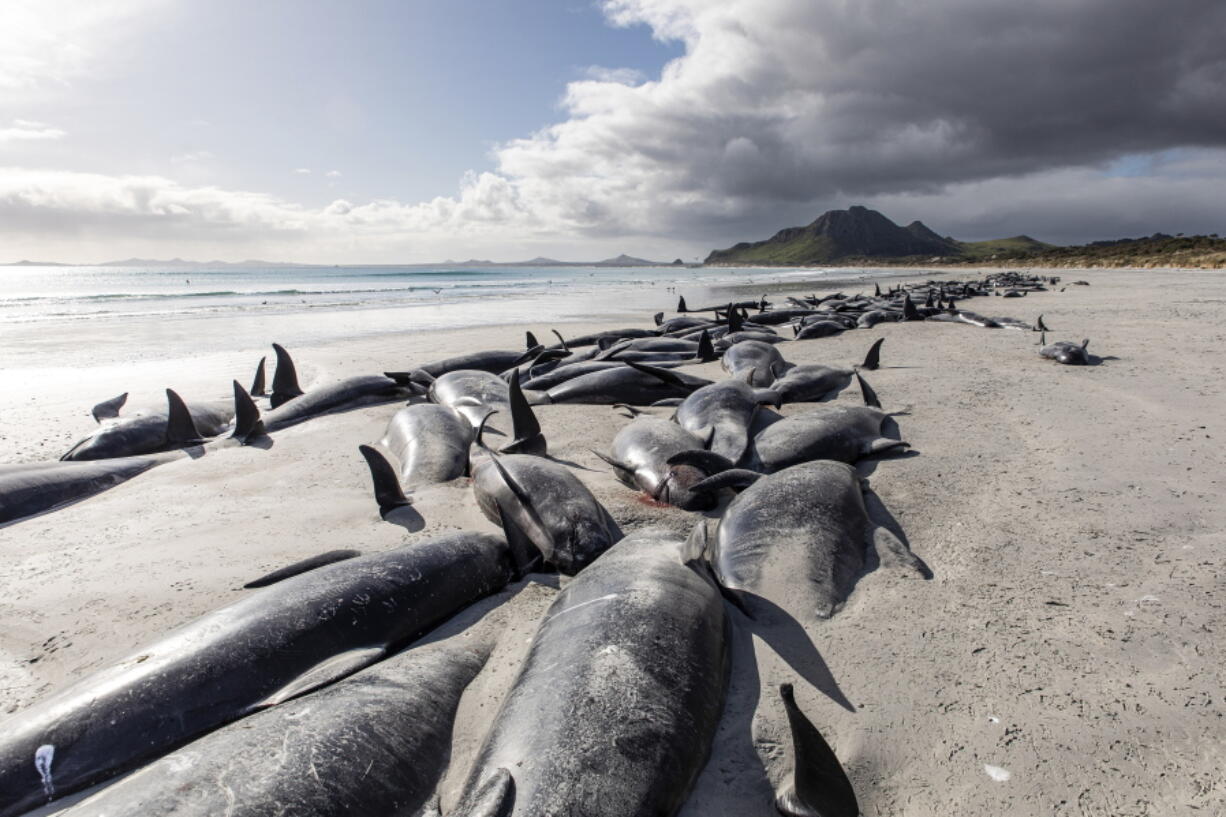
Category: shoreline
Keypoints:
(1071, 518)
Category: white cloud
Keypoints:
(621, 76)
(53, 42)
(303, 171)
(980, 117)
(191, 157)
(333, 174)
(23, 130)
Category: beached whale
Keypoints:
(374, 743)
(633, 383)
(617, 703)
(473, 393)
(797, 539)
(177, 427)
(1067, 352)
(640, 455)
(348, 393)
(831, 431)
(32, 488)
(758, 363)
(546, 512)
(431, 442)
(820, 329)
(274, 644)
(722, 413)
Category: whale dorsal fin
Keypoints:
(873, 359)
(561, 340)
(257, 385)
(735, 321)
(866, 391)
(681, 304)
(247, 422)
(109, 409)
(820, 786)
(706, 350)
(388, 492)
(525, 429)
(285, 379)
(180, 428)
(659, 318)
(530, 340)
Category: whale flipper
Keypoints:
(109, 409)
(257, 385)
(495, 797)
(820, 787)
(732, 478)
(333, 669)
(180, 428)
(331, 557)
(247, 422)
(704, 460)
(388, 492)
(285, 379)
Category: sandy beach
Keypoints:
(1065, 658)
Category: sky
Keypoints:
(409, 131)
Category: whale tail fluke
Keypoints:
(285, 379)
(180, 428)
(109, 409)
(247, 422)
(257, 384)
(388, 492)
(819, 785)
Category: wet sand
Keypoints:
(1065, 659)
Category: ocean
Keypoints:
(171, 311)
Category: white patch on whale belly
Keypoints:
(42, 761)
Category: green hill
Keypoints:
(856, 232)
(1018, 245)
(858, 235)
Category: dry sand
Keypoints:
(1065, 659)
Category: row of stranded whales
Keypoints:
(313, 694)
(299, 634)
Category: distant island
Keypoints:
(859, 236)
